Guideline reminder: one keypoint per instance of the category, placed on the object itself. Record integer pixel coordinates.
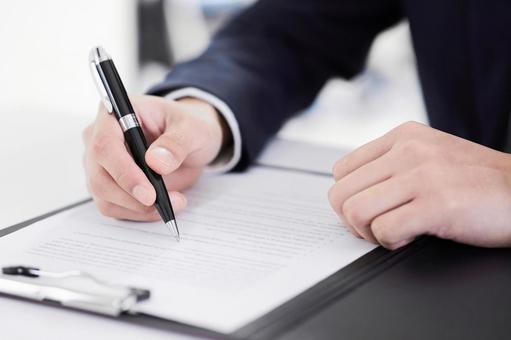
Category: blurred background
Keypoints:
(47, 96)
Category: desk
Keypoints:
(443, 290)
(27, 321)
(41, 164)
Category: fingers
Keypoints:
(363, 155)
(102, 186)
(384, 189)
(361, 209)
(402, 225)
(177, 144)
(350, 228)
(366, 176)
(108, 150)
(119, 212)
(360, 179)
(182, 178)
(115, 211)
(185, 138)
(366, 209)
(377, 148)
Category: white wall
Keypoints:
(47, 96)
(45, 45)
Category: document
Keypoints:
(249, 242)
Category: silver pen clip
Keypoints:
(96, 56)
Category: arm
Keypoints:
(271, 61)
(265, 65)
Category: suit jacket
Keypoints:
(271, 61)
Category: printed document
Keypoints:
(249, 243)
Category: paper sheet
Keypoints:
(249, 242)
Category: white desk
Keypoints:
(28, 321)
(41, 167)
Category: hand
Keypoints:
(183, 136)
(417, 180)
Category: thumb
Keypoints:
(172, 148)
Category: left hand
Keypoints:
(416, 180)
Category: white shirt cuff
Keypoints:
(230, 155)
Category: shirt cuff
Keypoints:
(230, 155)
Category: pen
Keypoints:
(114, 97)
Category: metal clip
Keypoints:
(74, 289)
(96, 56)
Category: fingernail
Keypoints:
(142, 195)
(164, 156)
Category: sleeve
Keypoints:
(230, 156)
(271, 61)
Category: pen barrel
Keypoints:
(138, 147)
(119, 96)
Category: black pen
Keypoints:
(114, 97)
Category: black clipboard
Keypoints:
(282, 318)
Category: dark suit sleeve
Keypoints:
(271, 60)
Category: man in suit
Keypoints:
(219, 109)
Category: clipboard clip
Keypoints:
(73, 289)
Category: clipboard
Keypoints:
(109, 303)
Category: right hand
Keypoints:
(183, 137)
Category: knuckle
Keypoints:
(334, 199)
(105, 208)
(124, 179)
(149, 210)
(101, 144)
(407, 129)
(175, 143)
(410, 147)
(416, 151)
(178, 150)
(409, 126)
(353, 213)
(382, 232)
(96, 185)
(140, 208)
(337, 169)
(447, 231)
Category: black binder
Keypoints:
(431, 289)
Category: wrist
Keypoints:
(206, 110)
(228, 145)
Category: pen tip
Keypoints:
(172, 225)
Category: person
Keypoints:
(217, 111)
